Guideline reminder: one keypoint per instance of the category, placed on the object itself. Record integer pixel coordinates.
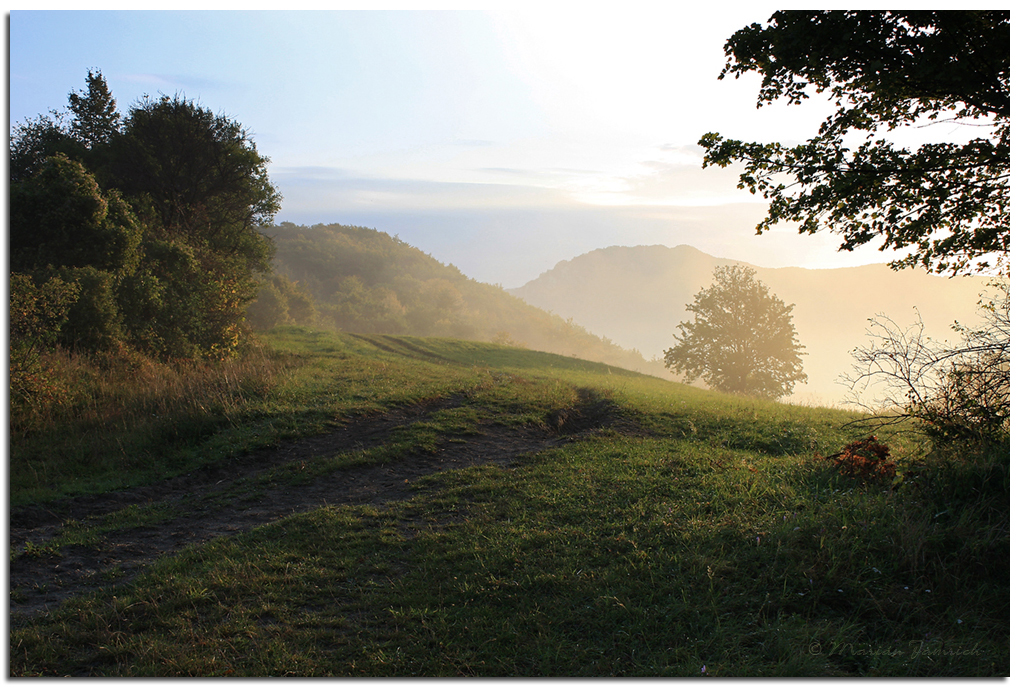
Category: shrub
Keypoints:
(37, 313)
(958, 396)
(866, 460)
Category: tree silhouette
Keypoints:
(742, 339)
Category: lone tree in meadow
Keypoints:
(742, 339)
(946, 204)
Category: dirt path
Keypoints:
(41, 582)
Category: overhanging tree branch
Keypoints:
(948, 204)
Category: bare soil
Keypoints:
(39, 583)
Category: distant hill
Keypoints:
(366, 281)
(636, 296)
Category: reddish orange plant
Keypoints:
(864, 459)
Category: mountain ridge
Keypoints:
(362, 280)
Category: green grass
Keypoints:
(702, 536)
(145, 427)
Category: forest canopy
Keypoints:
(153, 217)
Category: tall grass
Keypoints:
(103, 390)
(110, 417)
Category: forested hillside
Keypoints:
(356, 279)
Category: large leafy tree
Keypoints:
(199, 174)
(199, 183)
(946, 204)
(742, 339)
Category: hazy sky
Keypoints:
(500, 142)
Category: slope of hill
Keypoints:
(366, 281)
(388, 506)
(636, 296)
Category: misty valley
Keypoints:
(618, 305)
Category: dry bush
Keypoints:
(958, 395)
(866, 460)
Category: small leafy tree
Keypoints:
(96, 120)
(280, 301)
(36, 314)
(61, 218)
(65, 228)
(36, 140)
(742, 339)
(83, 132)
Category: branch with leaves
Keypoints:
(946, 204)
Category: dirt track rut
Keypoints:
(39, 583)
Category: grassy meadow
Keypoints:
(662, 530)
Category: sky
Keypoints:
(499, 141)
